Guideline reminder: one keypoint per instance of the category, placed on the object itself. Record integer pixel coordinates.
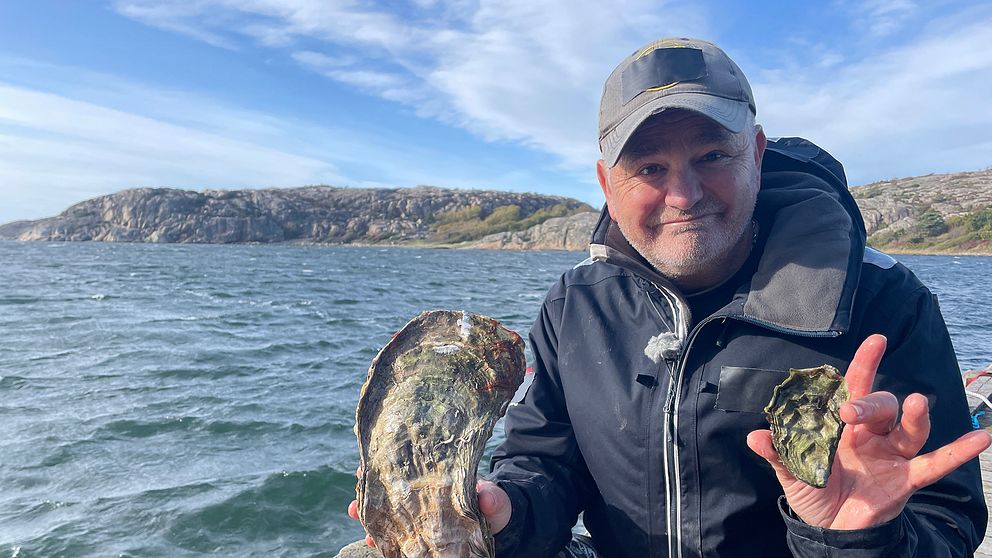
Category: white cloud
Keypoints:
(64, 150)
(321, 62)
(56, 150)
(915, 109)
(525, 71)
(173, 17)
(530, 72)
(883, 17)
(506, 70)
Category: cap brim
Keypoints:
(729, 113)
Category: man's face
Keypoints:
(683, 194)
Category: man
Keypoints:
(710, 277)
(654, 359)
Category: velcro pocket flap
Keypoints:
(747, 390)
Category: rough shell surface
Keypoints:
(358, 549)
(430, 402)
(804, 414)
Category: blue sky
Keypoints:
(98, 96)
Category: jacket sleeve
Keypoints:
(943, 520)
(539, 465)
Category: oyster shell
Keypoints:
(430, 402)
(804, 414)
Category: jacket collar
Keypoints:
(810, 266)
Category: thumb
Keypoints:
(760, 442)
(494, 504)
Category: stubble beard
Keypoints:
(690, 252)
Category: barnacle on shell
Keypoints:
(804, 414)
(428, 406)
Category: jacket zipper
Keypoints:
(673, 529)
(672, 401)
(668, 447)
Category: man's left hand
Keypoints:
(876, 468)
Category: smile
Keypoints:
(687, 220)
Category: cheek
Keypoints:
(742, 205)
(737, 191)
(639, 203)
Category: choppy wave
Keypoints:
(263, 513)
(204, 402)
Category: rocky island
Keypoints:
(315, 214)
(937, 213)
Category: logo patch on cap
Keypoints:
(661, 68)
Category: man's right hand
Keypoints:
(353, 513)
(493, 502)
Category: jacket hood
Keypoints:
(810, 266)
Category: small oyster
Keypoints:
(804, 414)
(430, 402)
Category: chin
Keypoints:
(684, 257)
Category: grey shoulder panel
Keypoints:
(585, 262)
(878, 259)
(597, 253)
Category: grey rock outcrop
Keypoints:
(561, 233)
(896, 204)
(318, 214)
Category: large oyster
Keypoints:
(430, 402)
(804, 414)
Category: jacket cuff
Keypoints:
(508, 539)
(807, 541)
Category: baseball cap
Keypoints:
(669, 73)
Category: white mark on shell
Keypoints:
(446, 349)
(465, 323)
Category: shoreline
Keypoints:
(438, 246)
(930, 252)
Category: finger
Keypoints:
(760, 442)
(877, 411)
(369, 541)
(353, 509)
(358, 472)
(494, 504)
(861, 372)
(914, 428)
(931, 467)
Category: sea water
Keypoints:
(184, 400)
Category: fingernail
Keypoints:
(859, 411)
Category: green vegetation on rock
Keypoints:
(937, 213)
(931, 223)
(980, 223)
(468, 223)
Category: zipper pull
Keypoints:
(670, 396)
(670, 400)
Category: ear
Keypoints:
(603, 174)
(760, 142)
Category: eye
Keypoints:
(648, 170)
(713, 156)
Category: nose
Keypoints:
(683, 188)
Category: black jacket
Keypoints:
(650, 443)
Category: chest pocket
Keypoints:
(747, 390)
